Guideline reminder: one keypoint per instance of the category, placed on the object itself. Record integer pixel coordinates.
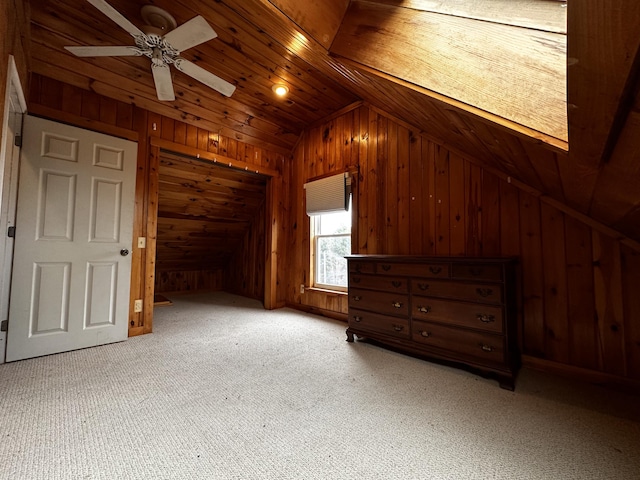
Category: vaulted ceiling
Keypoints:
(574, 139)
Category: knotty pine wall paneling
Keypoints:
(76, 106)
(245, 272)
(15, 39)
(579, 307)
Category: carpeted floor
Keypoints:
(226, 390)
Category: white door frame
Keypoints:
(9, 159)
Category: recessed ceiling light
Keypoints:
(280, 90)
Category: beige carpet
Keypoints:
(226, 390)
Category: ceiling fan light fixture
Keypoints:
(158, 19)
(280, 89)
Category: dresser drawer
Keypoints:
(482, 346)
(358, 266)
(477, 271)
(361, 320)
(482, 317)
(474, 292)
(391, 303)
(384, 283)
(430, 270)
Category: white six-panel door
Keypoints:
(71, 272)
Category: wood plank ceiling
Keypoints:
(264, 42)
(204, 212)
(243, 54)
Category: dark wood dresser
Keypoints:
(459, 310)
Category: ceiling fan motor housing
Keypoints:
(156, 48)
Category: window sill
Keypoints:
(325, 290)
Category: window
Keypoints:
(331, 241)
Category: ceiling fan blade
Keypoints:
(162, 79)
(116, 16)
(204, 76)
(189, 34)
(104, 51)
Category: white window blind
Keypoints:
(328, 195)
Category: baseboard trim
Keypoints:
(582, 374)
(343, 317)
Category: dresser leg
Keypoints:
(349, 336)
(507, 383)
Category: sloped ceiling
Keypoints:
(515, 72)
(264, 42)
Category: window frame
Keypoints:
(314, 284)
(316, 259)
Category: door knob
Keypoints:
(124, 252)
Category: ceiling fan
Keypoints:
(162, 42)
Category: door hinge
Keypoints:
(4, 325)
(17, 141)
(11, 232)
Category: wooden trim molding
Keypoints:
(343, 317)
(271, 246)
(581, 374)
(152, 236)
(212, 157)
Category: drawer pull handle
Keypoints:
(423, 286)
(484, 318)
(425, 334)
(358, 267)
(396, 304)
(386, 268)
(357, 318)
(435, 270)
(355, 279)
(487, 348)
(398, 328)
(357, 298)
(426, 309)
(484, 292)
(475, 271)
(396, 283)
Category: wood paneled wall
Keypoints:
(245, 273)
(580, 302)
(579, 297)
(83, 108)
(15, 39)
(190, 282)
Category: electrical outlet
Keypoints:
(142, 242)
(137, 306)
(302, 288)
